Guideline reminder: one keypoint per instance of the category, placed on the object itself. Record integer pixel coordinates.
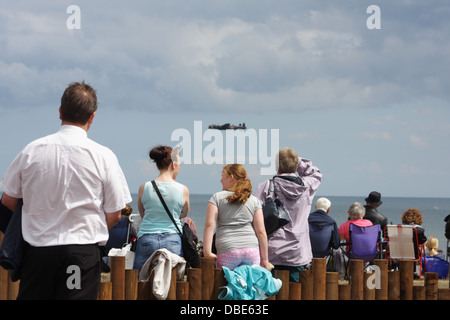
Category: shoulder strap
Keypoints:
(165, 206)
(271, 182)
(274, 187)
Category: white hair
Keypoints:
(323, 204)
(356, 211)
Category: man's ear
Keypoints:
(91, 118)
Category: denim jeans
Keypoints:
(149, 243)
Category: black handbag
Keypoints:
(188, 243)
(275, 215)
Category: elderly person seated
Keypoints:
(323, 230)
(356, 213)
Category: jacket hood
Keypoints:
(290, 184)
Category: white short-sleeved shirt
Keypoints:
(234, 228)
(67, 182)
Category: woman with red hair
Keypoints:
(413, 217)
(240, 236)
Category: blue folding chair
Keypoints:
(435, 264)
(320, 237)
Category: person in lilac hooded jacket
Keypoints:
(296, 182)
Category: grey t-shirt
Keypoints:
(234, 229)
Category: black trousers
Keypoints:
(70, 272)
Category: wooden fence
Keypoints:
(316, 284)
(203, 283)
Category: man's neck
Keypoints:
(85, 127)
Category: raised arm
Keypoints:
(310, 174)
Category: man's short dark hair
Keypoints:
(78, 103)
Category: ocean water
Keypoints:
(434, 210)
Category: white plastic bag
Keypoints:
(126, 252)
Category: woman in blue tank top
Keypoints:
(157, 230)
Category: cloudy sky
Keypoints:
(369, 107)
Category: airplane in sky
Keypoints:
(227, 126)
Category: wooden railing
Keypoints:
(203, 283)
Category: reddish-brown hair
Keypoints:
(242, 187)
(412, 216)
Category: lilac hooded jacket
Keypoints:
(290, 245)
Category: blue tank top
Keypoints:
(156, 219)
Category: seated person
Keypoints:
(123, 231)
(320, 218)
(432, 248)
(413, 217)
(435, 261)
(356, 213)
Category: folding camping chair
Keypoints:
(320, 237)
(364, 244)
(402, 244)
(435, 264)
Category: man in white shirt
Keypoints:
(73, 190)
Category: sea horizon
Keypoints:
(434, 210)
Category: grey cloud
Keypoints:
(197, 55)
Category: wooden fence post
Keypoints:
(295, 291)
(283, 275)
(307, 281)
(207, 265)
(332, 286)
(145, 289)
(131, 284)
(172, 294)
(4, 275)
(382, 292)
(394, 285)
(406, 279)
(431, 285)
(118, 277)
(419, 293)
(319, 270)
(356, 268)
(182, 290)
(194, 277)
(105, 291)
(368, 293)
(344, 292)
